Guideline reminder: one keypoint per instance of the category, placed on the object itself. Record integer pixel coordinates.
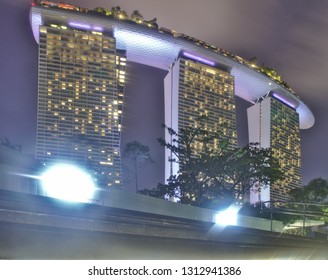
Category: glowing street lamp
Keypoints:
(68, 182)
(228, 216)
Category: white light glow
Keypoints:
(36, 21)
(141, 40)
(68, 182)
(228, 216)
(146, 49)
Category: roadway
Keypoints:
(36, 227)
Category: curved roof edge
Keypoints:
(158, 49)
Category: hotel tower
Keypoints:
(195, 87)
(274, 123)
(80, 99)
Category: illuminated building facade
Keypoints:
(274, 123)
(81, 85)
(194, 87)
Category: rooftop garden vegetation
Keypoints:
(136, 17)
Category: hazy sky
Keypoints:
(287, 35)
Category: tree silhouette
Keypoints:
(215, 175)
(138, 155)
(136, 16)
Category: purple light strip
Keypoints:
(200, 59)
(79, 25)
(283, 100)
(98, 28)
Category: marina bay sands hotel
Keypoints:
(82, 62)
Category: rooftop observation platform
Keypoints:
(160, 47)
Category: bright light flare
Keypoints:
(228, 216)
(68, 182)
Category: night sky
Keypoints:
(287, 35)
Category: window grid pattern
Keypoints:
(207, 91)
(286, 146)
(80, 100)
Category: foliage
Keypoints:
(195, 183)
(151, 23)
(118, 12)
(314, 197)
(136, 16)
(160, 191)
(316, 191)
(308, 201)
(251, 166)
(270, 72)
(7, 143)
(213, 175)
(103, 11)
(138, 155)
